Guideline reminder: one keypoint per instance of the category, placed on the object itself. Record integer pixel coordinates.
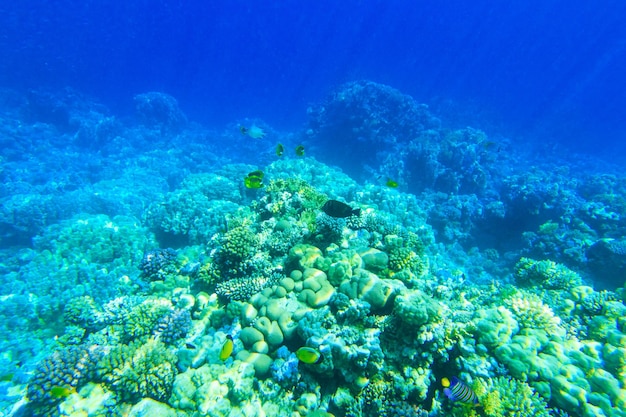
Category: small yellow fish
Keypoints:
(309, 355)
(300, 150)
(61, 392)
(253, 182)
(227, 348)
(6, 378)
(258, 173)
(391, 183)
(280, 150)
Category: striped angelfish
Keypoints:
(457, 390)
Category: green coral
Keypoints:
(84, 312)
(545, 274)
(141, 322)
(504, 396)
(209, 273)
(239, 243)
(415, 308)
(99, 239)
(139, 370)
(531, 313)
(405, 258)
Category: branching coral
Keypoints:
(241, 289)
(239, 243)
(545, 274)
(139, 370)
(158, 263)
(85, 312)
(67, 369)
(144, 320)
(505, 396)
(531, 313)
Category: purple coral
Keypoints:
(173, 326)
(156, 264)
(70, 368)
(285, 368)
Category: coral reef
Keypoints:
(67, 369)
(139, 370)
(156, 264)
(160, 110)
(545, 274)
(478, 273)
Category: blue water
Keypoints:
(484, 142)
(538, 70)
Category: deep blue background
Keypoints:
(530, 70)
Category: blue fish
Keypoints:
(457, 390)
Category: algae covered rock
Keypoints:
(414, 308)
(496, 326)
(374, 260)
(149, 408)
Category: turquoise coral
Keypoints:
(414, 308)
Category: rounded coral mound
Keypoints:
(415, 308)
(68, 369)
(138, 371)
(545, 274)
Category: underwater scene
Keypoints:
(345, 244)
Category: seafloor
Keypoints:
(131, 251)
